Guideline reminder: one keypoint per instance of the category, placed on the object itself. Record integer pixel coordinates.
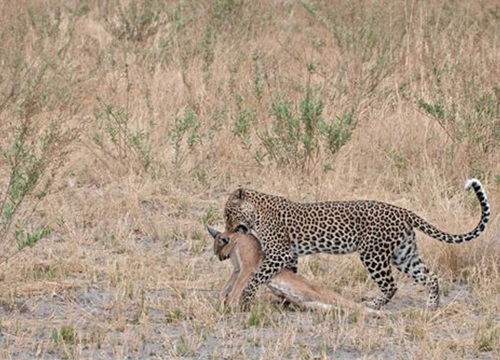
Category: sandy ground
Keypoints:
(105, 324)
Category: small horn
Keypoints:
(213, 232)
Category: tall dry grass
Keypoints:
(124, 125)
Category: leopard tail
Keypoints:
(430, 230)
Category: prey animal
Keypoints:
(245, 253)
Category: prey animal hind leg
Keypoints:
(406, 259)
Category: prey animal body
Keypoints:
(245, 253)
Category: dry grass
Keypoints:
(159, 110)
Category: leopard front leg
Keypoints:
(293, 265)
(275, 259)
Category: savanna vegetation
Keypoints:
(125, 124)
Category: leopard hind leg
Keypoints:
(377, 262)
(407, 260)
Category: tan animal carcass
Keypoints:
(245, 253)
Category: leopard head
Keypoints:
(239, 212)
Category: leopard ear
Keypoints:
(236, 197)
(240, 193)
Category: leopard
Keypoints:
(382, 234)
(292, 290)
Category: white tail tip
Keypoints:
(471, 182)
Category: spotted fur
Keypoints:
(381, 233)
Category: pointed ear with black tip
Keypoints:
(213, 232)
(241, 228)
